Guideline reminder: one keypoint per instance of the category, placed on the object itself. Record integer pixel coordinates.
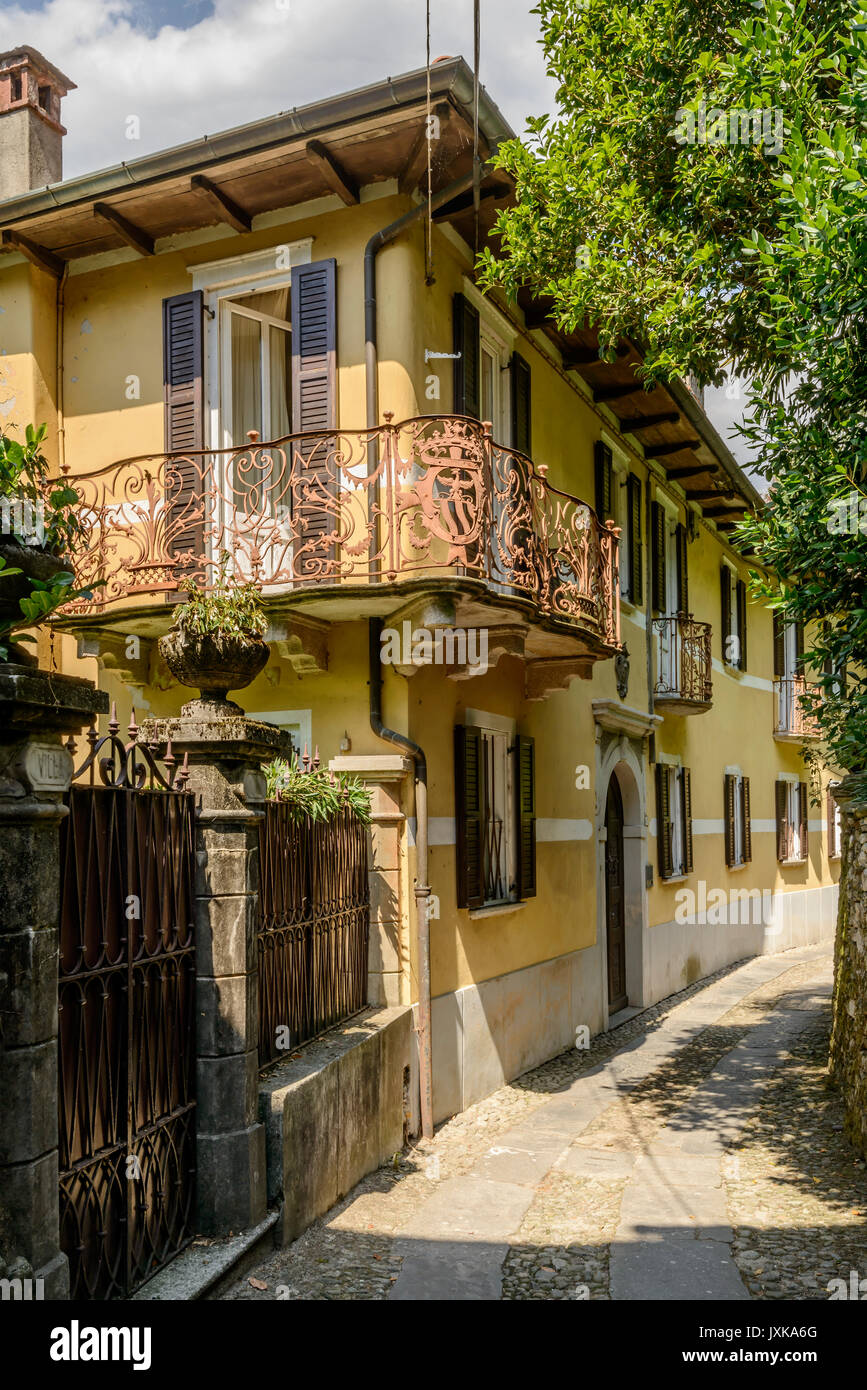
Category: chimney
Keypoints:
(31, 136)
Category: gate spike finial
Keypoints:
(113, 725)
(183, 775)
(133, 727)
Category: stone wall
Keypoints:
(849, 1035)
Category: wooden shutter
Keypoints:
(730, 788)
(681, 544)
(519, 372)
(183, 401)
(657, 555)
(745, 811)
(686, 802)
(779, 647)
(663, 819)
(741, 595)
(782, 806)
(833, 847)
(314, 408)
(799, 646)
(725, 592)
(468, 817)
(525, 786)
(635, 540)
(803, 814)
(468, 366)
(604, 481)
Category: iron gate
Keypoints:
(126, 1030)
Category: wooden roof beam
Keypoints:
(416, 165)
(37, 255)
(678, 474)
(126, 230)
(661, 451)
(225, 207)
(633, 423)
(586, 357)
(614, 393)
(336, 176)
(705, 495)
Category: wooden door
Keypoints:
(614, 899)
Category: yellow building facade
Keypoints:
(618, 802)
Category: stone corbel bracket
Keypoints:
(545, 676)
(501, 641)
(301, 642)
(126, 656)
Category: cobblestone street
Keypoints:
(694, 1152)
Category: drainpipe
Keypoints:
(422, 887)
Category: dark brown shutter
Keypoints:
(635, 540)
(725, 590)
(604, 481)
(314, 408)
(799, 646)
(525, 781)
(833, 850)
(686, 801)
(682, 569)
(468, 817)
(804, 812)
(520, 379)
(183, 398)
(779, 647)
(741, 592)
(468, 366)
(657, 555)
(782, 805)
(748, 828)
(663, 819)
(730, 787)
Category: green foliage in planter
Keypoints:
(316, 795)
(228, 610)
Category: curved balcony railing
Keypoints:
(683, 660)
(432, 497)
(793, 715)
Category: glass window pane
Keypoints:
(280, 366)
(246, 377)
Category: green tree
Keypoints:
(701, 189)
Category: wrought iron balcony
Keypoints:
(683, 665)
(354, 515)
(794, 721)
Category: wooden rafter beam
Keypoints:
(336, 176)
(633, 423)
(225, 207)
(464, 201)
(678, 475)
(416, 164)
(661, 451)
(133, 236)
(37, 255)
(538, 318)
(614, 393)
(588, 357)
(705, 495)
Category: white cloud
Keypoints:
(252, 58)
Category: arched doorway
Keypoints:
(615, 899)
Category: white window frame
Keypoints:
(296, 722)
(739, 827)
(499, 732)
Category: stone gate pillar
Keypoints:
(37, 710)
(849, 1033)
(226, 752)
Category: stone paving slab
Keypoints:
(583, 1162)
(674, 1270)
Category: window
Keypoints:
(16, 87)
(738, 830)
(835, 826)
(792, 803)
(670, 569)
(297, 723)
(495, 816)
(733, 629)
(45, 98)
(618, 499)
(257, 361)
(674, 820)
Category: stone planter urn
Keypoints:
(34, 562)
(213, 664)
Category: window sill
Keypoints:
(792, 863)
(494, 910)
(736, 868)
(675, 878)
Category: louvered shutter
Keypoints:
(686, 801)
(741, 592)
(525, 780)
(725, 589)
(183, 400)
(799, 646)
(519, 372)
(833, 848)
(657, 554)
(682, 569)
(468, 817)
(782, 806)
(663, 820)
(635, 541)
(604, 481)
(467, 346)
(730, 789)
(779, 647)
(804, 813)
(314, 408)
(745, 811)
